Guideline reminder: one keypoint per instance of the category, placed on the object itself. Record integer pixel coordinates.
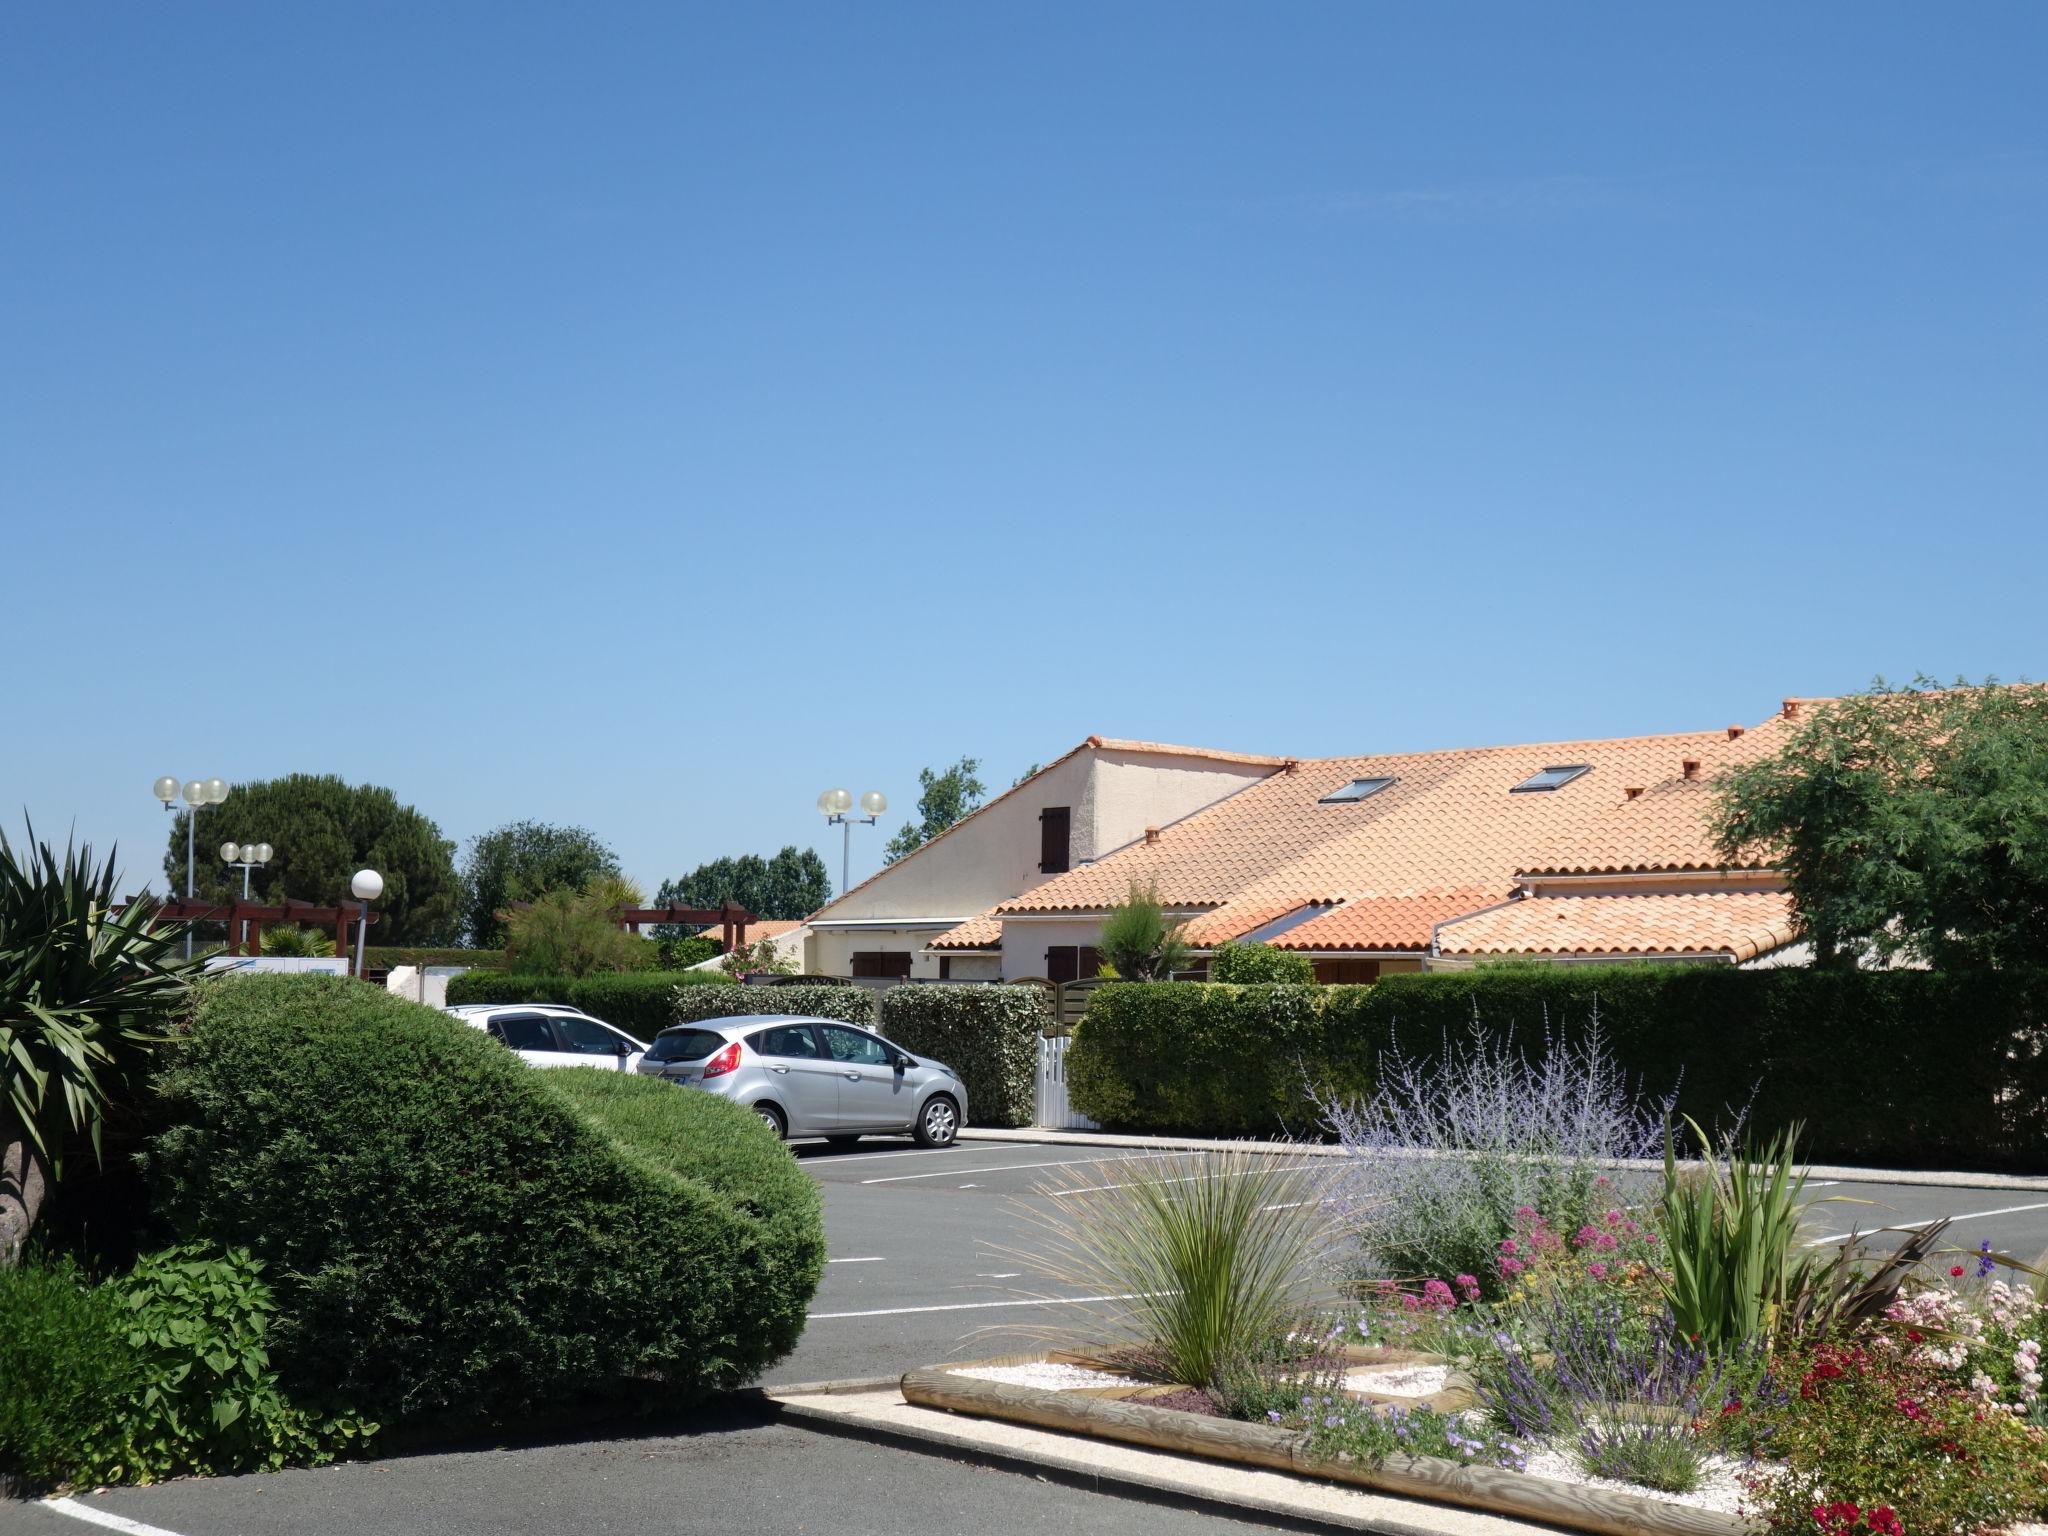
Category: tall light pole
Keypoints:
(366, 886)
(196, 793)
(245, 857)
(834, 804)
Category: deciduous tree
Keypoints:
(944, 797)
(522, 861)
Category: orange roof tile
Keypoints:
(1167, 749)
(1448, 824)
(1739, 924)
(1382, 922)
(984, 932)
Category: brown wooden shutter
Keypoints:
(1090, 962)
(1053, 822)
(1060, 963)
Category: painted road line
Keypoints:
(1193, 1178)
(1070, 1162)
(979, 1306)
(876, 1157)
(112, 1522)
(1910, 1226)
(875, 1260)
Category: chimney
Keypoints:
(1690, 767)
(1151, 834)
(1734, 731)
(1631, 791)
(1292, 765)
(1790, 709)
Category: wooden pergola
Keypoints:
(251, 916)
(733, 920)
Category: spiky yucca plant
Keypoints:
(84, 990)
(1205, 1262)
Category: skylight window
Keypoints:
(1555, 777)
(1357, 789)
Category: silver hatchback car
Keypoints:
(814, 1077)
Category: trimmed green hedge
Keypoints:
(1250, 964)
(641, 1003)
(856, 1005)
(457, 1240)
(989, 1035)
(1905, 1068)
(1197, 1056)
(65, 1366)
(385, 956)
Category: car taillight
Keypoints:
(724, 1061)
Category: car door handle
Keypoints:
(783, 1070)
(853, 1077)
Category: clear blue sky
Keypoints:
(648, 415)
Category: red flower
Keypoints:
(1956, 1272)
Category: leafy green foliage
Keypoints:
(521, 861)
(575, 932)
(84, 992)
(1138, 941)
(1205, 1261)
(1210, 1059)
(64, 1366)
(196, 1321)
(943, 798)
(1730, 1235)
(454, 1240)
(323, 831)
(642, 1003)
(792, 884)
(989, 1035)
(856, 1005)
(1248, 964)
(1909, 821)
(384, 956)
(289, 939)
(763, 956)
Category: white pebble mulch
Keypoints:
(1053, 1378)
(1718, 1489)
(1400, 1381)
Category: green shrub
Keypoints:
(1194, 1056)
(1249, 964)
(452, 1243)
(63, 1366)
(195, 1323)
(989, 1035)
(385, 956)
(639, 1002)
(1904, 1068)
(856, 1005)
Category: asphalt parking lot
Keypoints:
(917, 1274)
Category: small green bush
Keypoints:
(504, 987)
(64, 1366)
(1250, 964)
(989, 1035)
(452, 1242)
(1201, 1057)
(385, 956)
(856, 1005)
(195, 1322)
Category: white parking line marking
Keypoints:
(1094, 1189)
(875, 1157)
(112, 1522)
(1071, 1162)
(2003, 1210)
(978, 1306)
(876, 1260)
(1007, 1274)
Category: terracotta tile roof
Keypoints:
(1167, 749)
(983, 932)
(765, 928)
(1740, 924)
(1236, 919)
(1449, 823)
(1382, 922)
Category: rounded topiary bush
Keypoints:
(456, 1239)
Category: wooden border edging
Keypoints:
(1488, 1489)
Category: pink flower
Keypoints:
(1597, 1270)
(1614, 1218)
(1469, 1284)
(1511, 1267)
(1509, 1246)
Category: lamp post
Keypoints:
(834, 804)
(366, 885)
(196, 793)
(245, 857)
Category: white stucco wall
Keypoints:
(1130, 791)
(829, 951)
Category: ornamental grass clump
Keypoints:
(1445, 1152)
(1206, 1262)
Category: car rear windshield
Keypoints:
(684, 1045)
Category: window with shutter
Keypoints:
(881, 962)
(1062, 963)
(1053, 823)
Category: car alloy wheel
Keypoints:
(939, 1124)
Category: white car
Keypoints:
(553, 1034)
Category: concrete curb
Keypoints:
(1271, 1498)
(1935, 1180)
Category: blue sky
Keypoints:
(649, 415)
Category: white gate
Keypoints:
(1056, 1111)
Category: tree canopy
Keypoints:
(944, 798)
(1910, 822)
(323, 830)
(523, 861)
(792, 884)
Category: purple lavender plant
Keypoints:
(1446, 1150)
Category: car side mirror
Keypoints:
(902, 1062)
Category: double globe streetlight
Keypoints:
(196, 793)
(245, 857)
(835, 804)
